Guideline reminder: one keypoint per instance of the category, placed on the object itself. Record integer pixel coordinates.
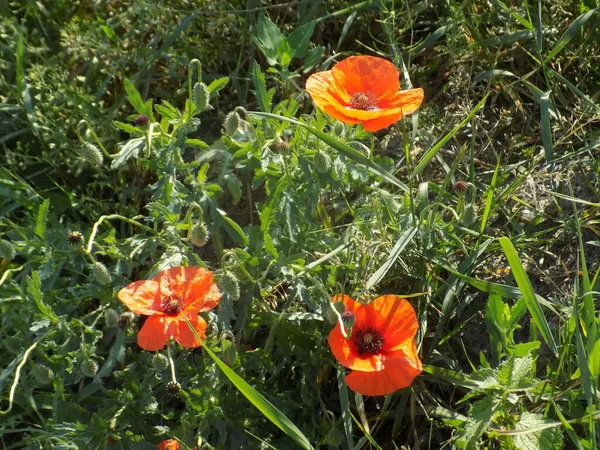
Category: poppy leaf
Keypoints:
(267, 38)
(300, 38)
(260, 402)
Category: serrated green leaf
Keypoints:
(533, 437)
(300, 38)
(480, 416)
(267, 38)
(217, 85)
(40, 219)
(197, 143)
(34, 290)
(128, 128)
(263, 97)
(134, 97)
(130, 149)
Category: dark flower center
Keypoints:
(172, 305)
(367, 340)
(365, 101)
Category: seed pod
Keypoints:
(42, 374)
(460, 186)
(322, 161)
(75, 238)
(280, 146)
(89, 368)
(230, 285)
(231, 123)
(7, 251)
(159, 362)
(199, 236)
(91, 154)
(101, 273)
(173, 388)
(201, 96)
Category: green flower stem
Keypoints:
(111, 217)
(11, 394)
(198, 64)
(94, 135)
(171, 363)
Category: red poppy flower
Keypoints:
(363, 89)
(169, 444)
(381, 350)
(170, 297)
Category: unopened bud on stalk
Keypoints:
(111, 318)
(91, 154)
(230, 285)
(231, 123)
(101, 273)
(142, 121)
(42, 374)
(201, 96)
(89, 368)
(339, 128)
(159, 362)
(322, 162)
(7, 251)
(199, 235)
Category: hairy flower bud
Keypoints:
(142, 121)
(160, 362)
(231, 123)
(7, 251)
(42, 374)
(89, 368)
(91, 154)
(111, 318)
(230, 285)
(322, 161)
(199, 235)
(101, 274)
(201, 96)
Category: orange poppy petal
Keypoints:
(346, 353)
(394, 318)
(154, 333)
(184, 335)
(408, 101)
(142, 297)
(190, 284)
(169, 444)
(399, 372)
(206, 295)
(367, 74)
(327, 95)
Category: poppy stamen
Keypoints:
(172, 305)
(368, 340)
(365, 101)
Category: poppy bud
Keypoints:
(159, 362)
(201, 96)
(199, 235)
(7, 251)
(322, 162)
(89, 368)
(14, 344)
(101, 273)
(42, 374)
(280, 146)
(339, 128)
(75, 238)
(111, 318)
(173, 388)
(230, 285)
(126, 319)
(333, 438)
(91, 154)
(231, 123)
(142, 121)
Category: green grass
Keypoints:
(503, 275)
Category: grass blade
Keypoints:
(261, 403)
(570, 33)
(437, 147)
(402, 242)
(489, 200)
(546, 130)
(344, 149)
(528, 294)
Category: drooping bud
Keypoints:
(91, 154)
(230, 285)
(7, 251)
(339, 128)
(75, 238)
(42, 374)
(159, 362)
(201, 96)
(322, 161)
(199, 235)
(142, 121)
(89, 368)
(231, 123)
(101, 274)
(280, 146)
